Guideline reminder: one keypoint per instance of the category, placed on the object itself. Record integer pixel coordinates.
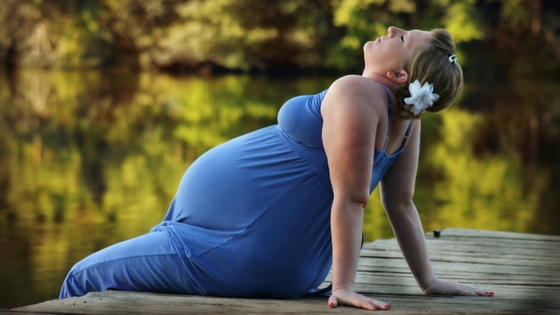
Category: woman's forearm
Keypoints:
(410, 236)
(346, 229)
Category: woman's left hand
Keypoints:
(347, 296)
(446, 287)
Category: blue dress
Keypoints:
(251, 218)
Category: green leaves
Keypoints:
(247, 35)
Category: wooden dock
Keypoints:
(522, 269)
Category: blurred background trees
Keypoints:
(520, 36)
(95, 134)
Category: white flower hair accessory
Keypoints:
(421, 97)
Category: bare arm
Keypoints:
(350, 122)
(397, 190)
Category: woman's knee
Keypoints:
(77, 283)
(129, 265)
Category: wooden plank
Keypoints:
(382, 265)
(13, 312)
(499, 235)
(115, 302)
(520, 259)
(446, 250)
(522, 270)
(478, 246)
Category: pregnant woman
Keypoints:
(269, 213)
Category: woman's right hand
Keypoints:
(446, 287)
(347, 296)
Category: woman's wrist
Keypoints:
(424, 286)
(342, 287)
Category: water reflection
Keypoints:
(89, 159)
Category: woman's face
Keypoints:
(391, 52)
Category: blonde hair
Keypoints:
(432, 64)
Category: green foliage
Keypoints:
(276, 35)
(83, 43)
(463, 22)
(516, 13)
(246, 34)
(361, 22)
(473, 187)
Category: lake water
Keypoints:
(88, 159)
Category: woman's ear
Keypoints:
(399, 77)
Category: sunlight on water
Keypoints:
(90, 159)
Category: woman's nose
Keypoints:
(393, 31)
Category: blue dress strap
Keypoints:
(406, 135)
(390, 112)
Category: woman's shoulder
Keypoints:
(352, 81)
(358, 90)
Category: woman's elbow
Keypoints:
(391, 206)
(396, 196)
(397, 201)
(355, 198)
